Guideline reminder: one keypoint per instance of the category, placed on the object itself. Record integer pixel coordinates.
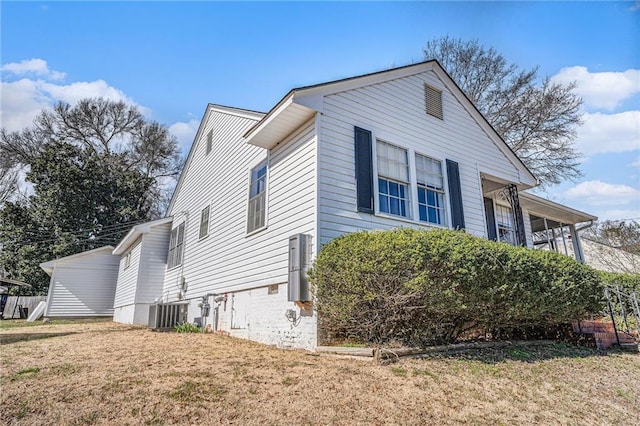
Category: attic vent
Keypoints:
(209, 141)
(433, 101)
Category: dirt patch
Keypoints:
(105, 373)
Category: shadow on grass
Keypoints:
(523, 353)
(6, 339)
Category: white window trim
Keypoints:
(253, 165)
(413, 184)
(127, 260)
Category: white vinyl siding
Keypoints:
(229, 259)
(83, 286)
(395, 111)
(128, 276)
(141, 283)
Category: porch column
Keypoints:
(510, 192)
(577, 246)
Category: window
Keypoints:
(204, 223)
(176, 246)
(430, 182)
(209, 141)
(504, 220)
(393, 179)
(127, 260)
(257, 210)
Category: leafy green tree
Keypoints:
(81, 201)
(92, 171)
(536, 117)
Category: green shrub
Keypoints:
(628, 282)
(422, 287)
(187, 327)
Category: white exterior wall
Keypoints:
(140, 284)
(83, 286)
(125, 296)
(153, 261)
(228, 260)
(395, 112)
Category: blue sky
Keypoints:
(172, 58)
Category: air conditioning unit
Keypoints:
(165, 316)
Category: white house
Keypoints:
(82, 285)
(143, 262)
(261, 193)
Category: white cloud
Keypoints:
(601, 90)
(602, 133)
(185, 132)
(598, 193)
(23, 99)
(36, 67)
(618, 214)
(635, 163)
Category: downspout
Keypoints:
(181, 282)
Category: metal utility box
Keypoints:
(298, 290)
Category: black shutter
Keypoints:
(364, 170)
(455, 195)
(491, 219)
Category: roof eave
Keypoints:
(136, 231)
(556, 211)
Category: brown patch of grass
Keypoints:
(105, 373)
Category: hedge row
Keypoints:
(421, 287)
(628, 282)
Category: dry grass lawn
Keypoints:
(105, 373)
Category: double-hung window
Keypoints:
(393, 179)
(257, 210)
(430, 182)
(204, 223)
(504, 221)
(176, 246)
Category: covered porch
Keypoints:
(555, 226)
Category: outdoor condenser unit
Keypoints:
(298, 255)
(165, 316)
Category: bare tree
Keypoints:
(615, 246)
(536, 118)
(114, 131)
